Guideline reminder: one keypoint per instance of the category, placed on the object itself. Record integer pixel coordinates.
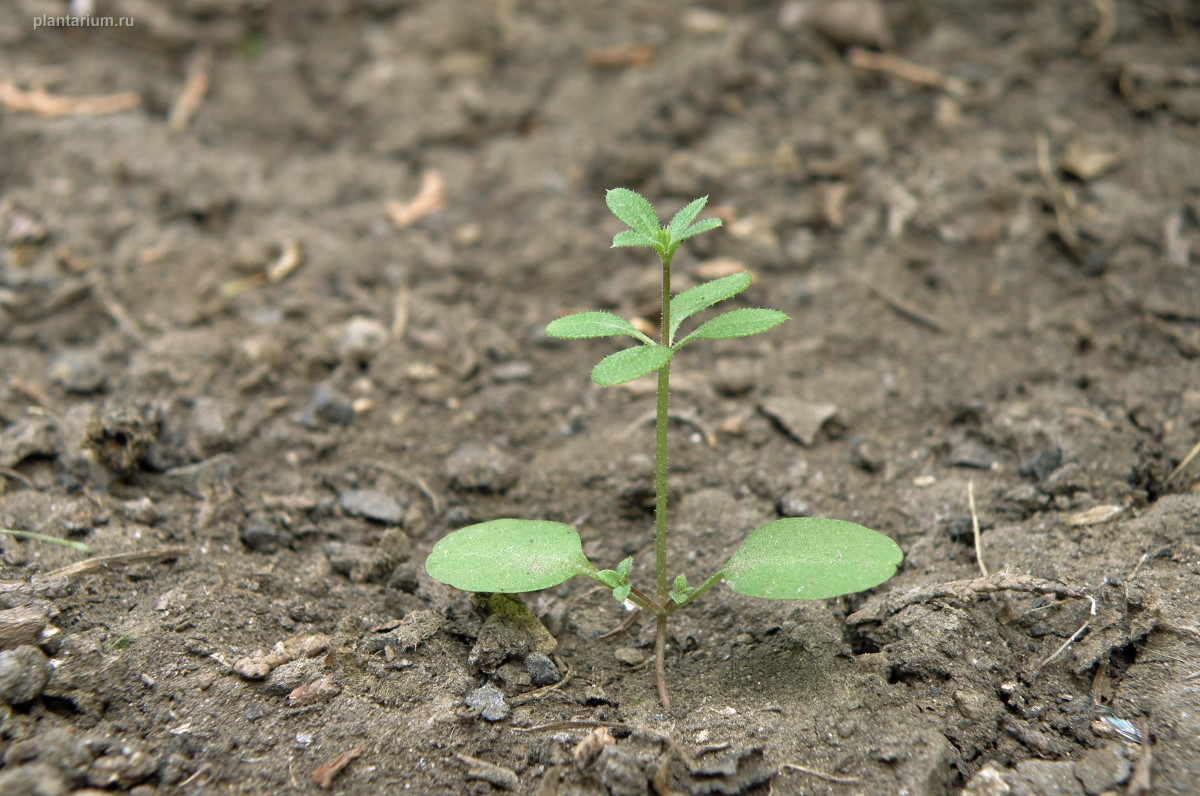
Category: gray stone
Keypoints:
(23, 674)
(360, 339)
(479, 469)
(287, 677)
(793, 505)
(519, 370)
(372, 504)
(489, 703)
(262, 535)
(39, 779)
(630, 656)
(1100, 770)
(800, 420)
(542, 670)
(328, 407)
(79, 371)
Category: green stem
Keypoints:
(660, 491)
(41, 537)
(660, 432)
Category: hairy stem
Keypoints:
(660, 490)
(660, 666)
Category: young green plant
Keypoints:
(789, 559)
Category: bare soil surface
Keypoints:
(274, 278)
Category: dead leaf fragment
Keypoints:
(1094, 516)
(195, 87)
(430, 198)
(41, 102)
(592, 744)
(324, 774)
(625, 55)
(1086, 160)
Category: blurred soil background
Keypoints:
(273, 278)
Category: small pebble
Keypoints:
(23, 674)
(79, 371)
(793, 505)
(263, 536)
(372, 504)
(489, 703)
(513, 371)
(542, 671)
(316, 692)
(360, 339)
(480, 469)
(1042, 464)
(630, 656)
(327, 407)
(286, 678)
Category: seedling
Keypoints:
(790, 559)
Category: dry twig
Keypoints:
(430, 198)
(93, 565)
(906, 310)
(1106, 28)
(922, 76)
(975, 527)
(1192, 454)
(879, 608)
(1074, 636)
(820, 774)
(42, 103)
(195, 87)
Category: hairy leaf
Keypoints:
(621, 593)
(679, 589)
(684, 218)
(737, 323)
(593, 324)
(630, 238)
(703, 225)
(508, 556)
(611, 578)
(701, 297)
(633, 209)
(630, 364)
(811, 559)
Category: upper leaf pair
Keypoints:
(645, 228)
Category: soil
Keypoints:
(273, 323)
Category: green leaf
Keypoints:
(610, 578)
(737, 323)
(703, 225)
(593, 324)
(808, 558)
(679, 589)
(630, 238)
(508, 556)
(621, 593)
(703, 296)
(625, 567)
(685, 217)
(630, 364)
(633, 209)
